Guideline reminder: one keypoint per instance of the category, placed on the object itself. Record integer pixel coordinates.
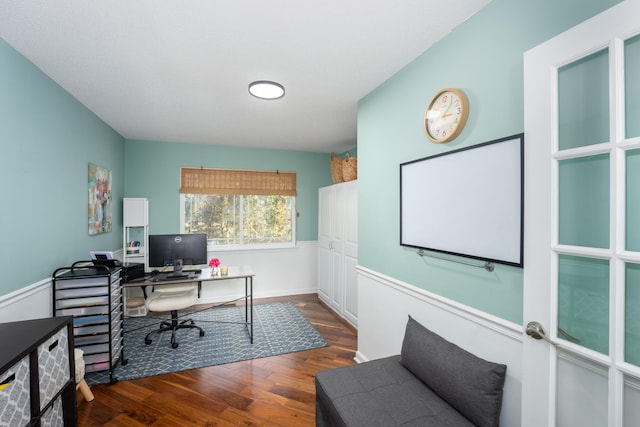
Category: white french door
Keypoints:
(582, 225)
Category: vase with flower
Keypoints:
(214, 265)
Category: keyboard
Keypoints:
(185, 274)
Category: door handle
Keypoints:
(536, 331)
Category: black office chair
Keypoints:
(173, 298)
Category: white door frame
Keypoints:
(540, 269)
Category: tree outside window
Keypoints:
(235, 219)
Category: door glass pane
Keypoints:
(583, 301)
(633, 200)
(583, 101)
(632, 314)
(584, 201)
(631, 413)
(632, 86)
(582, 393)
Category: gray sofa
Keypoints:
(432, 382)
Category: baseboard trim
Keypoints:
(337, 315)
(360, 358)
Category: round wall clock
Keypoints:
(446, 115)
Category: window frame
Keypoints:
(248, 246)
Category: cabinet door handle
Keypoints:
(53, 345)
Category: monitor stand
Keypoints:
(177, 271)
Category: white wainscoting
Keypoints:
(385, 303)
(31, 302)
(279, 272)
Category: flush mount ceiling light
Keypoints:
(265, 89)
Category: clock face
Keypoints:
(446, 115)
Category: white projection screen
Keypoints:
(467, 202)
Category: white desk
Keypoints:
(235, 272)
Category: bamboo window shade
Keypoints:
(236, 181)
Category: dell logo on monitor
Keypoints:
(178, 239)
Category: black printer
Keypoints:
(132, 271)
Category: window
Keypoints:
(239, 209)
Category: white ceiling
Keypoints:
(178, 70)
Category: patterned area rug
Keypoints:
(278, 329)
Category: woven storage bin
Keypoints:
(350, 168)
(335, 163)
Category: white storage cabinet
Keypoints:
(338, 249)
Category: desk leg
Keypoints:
(246, 297)
(248, 305)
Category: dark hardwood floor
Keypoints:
(272, 391)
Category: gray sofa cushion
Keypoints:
(468, 383)
(380, 393)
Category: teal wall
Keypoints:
(48, 140)
(483, 57)
(152, 170)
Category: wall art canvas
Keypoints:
(100, 206)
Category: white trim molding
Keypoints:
(30, 302)
(384, 304)
(279, 272)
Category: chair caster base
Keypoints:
(173, 326)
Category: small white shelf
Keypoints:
(135, 237)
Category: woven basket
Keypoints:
(350, 168)
(335, 163)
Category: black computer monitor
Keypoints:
(176, 250)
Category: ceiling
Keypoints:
(171, 70)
